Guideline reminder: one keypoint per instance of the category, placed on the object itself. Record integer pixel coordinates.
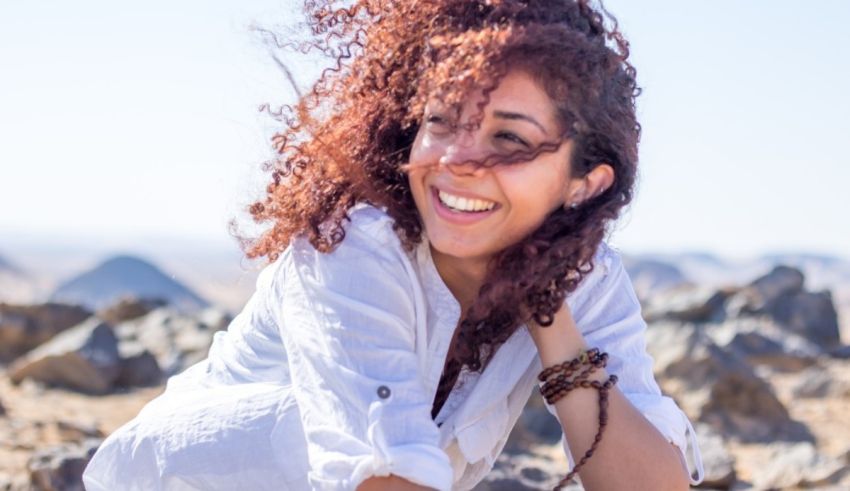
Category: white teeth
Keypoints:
(465, 204)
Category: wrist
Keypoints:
(559, 341)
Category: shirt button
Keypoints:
(383, 392)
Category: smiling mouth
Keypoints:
(463, 204)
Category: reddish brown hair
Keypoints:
(348, 139)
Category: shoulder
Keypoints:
(373, 223)
(607, 261)
(606, 283)
(369, 248)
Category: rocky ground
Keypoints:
(759, 369)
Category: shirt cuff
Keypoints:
(420, 463)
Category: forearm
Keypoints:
(390, 483)
(632, 453)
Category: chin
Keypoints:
(449, 247)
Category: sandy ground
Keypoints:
(38, 417)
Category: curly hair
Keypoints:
(349, 138)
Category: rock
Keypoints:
(139, 367)
(841, 352)
(797, 465)
(718, 462)
(780, 295)
(811, 315)
(215, 319)
(782, 280)
(71, 431)
(818, 382)
(83, 358)
(23, 327)
(128, 308)
(60, 468)
(176, 340)
(717, 386)
(15, 482)
(688, 304)
(534, 426)
(761, 342)
(524, 472)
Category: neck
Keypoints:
(463, 276)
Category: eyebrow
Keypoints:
(524, 117)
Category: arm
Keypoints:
(347, 320)
(632, 453)
(390, 483)
(635, 451)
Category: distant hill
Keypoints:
(8, 267)
(123, 276)
(16, 286)
(649, 275)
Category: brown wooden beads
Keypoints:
(557, 384)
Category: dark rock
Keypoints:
(139, 367)
(75, 432)
(717, 386)
(83, 358)
(60, 468)
(811, 315)
(841, 352)
(128, 308)
(177, 341)
(688, 304)
(755, 297)
(780, 295)
(781, 281)
(761, 342)
(535, 425)
(23, 327)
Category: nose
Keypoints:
(464, 155)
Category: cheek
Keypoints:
(532, 181)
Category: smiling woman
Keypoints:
(436, 251)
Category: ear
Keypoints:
(593, 184)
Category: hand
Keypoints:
(559, 342)
(563, 320)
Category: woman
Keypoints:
(436, 245)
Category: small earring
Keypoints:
(574, 206)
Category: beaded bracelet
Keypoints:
(592, 356)
(558, 386)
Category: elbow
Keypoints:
(680, 477)
(680, 482)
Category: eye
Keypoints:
(435, 119)
(512, 138)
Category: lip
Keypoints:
(459, 217)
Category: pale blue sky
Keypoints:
(126, 121)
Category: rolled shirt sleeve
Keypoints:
(347, 319)
(612, 321)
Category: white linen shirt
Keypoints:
(328, 375)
